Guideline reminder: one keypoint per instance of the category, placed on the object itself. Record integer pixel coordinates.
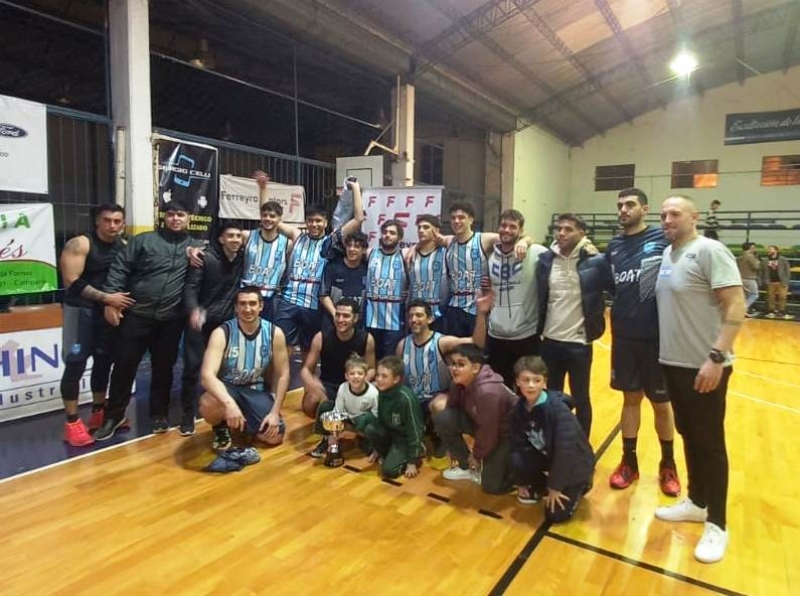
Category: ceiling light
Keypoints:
(683, 64)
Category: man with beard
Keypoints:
(635, 256)
(570, 282)
(84, 264)
(775, 275)
(700, 312)
(297, 310)
(209, 297)
(426, 271)
(344, 277)
(386, 290)
(331, 349)
(513, 320)
(467, 267)
(152, 267)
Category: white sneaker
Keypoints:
(788, 317)
(456, 473)
(771, 315)
(712, 545)
(682, 511)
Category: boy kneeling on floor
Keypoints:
(550, 455)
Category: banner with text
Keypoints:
(403, 203)
(27, 249)
(23, 145)
(238, 199)
(30, 373)
(187, 172)
(762, 127)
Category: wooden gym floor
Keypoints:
(140, 518)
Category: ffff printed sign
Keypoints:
(23, 145)
(30, 373)
(762, 127)
(187, 173)
(403, 203)
(238, 199)
(27, 249)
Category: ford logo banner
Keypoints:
(9, 130)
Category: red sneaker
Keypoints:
(75, 434)
(623, 476)
(96, 420)
(668, 480)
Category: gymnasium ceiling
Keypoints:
(573, 67)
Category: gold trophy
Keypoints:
(333, 422)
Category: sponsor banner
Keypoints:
(762, 127)
(23, 145)
(187, 172)
(238, 199)
(403, 203)
(30, 373)
(27, 249)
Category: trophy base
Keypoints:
(334, 460)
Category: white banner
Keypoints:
(23, 145)
(403, 203)
(30, 373)
(238, 199)
(27, 249)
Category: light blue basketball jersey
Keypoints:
(305, 272)
(265, 262)
(387, 284)
(425, 370)
(246, 359)
(426, 277)
(466, 266)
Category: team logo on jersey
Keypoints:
(264, 351)
(476, 254)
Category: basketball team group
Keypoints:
(470, 334)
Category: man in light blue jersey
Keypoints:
(426, 270)
(297, 309)
(466, 260)
(234, 375)
(387, 288)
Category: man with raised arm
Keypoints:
(427, 270)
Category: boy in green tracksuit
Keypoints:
(398, 431)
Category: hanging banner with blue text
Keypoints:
(27, 249)
(23, 145)
(187, 173)
(762, 127)
(238, 199)
(403, 203)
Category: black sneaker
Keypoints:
(186, 428)
(320, 450)
(222, 438)
(108, 428)
(159, 425)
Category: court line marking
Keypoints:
(764, 402)
(78, 457)
(762, 377)
(641, 564)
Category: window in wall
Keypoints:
(701, 173)
(780, 170)
(614, 177)
(432, 164)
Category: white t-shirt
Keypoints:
(354, 405)
(689, 317)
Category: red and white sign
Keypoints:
(238, 199)
(403, 203)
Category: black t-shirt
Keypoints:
(339, 281)
(335, 353)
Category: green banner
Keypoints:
(27, 249)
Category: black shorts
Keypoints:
(635, 367)
(85, 333)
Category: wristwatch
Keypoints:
(716, 356)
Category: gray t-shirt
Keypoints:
(689, 318)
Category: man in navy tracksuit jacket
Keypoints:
(571, 280)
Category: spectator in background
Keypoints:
(775, 275)
(712, 223)
(749, 269)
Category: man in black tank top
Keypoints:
(330, 351)
(84, 264)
